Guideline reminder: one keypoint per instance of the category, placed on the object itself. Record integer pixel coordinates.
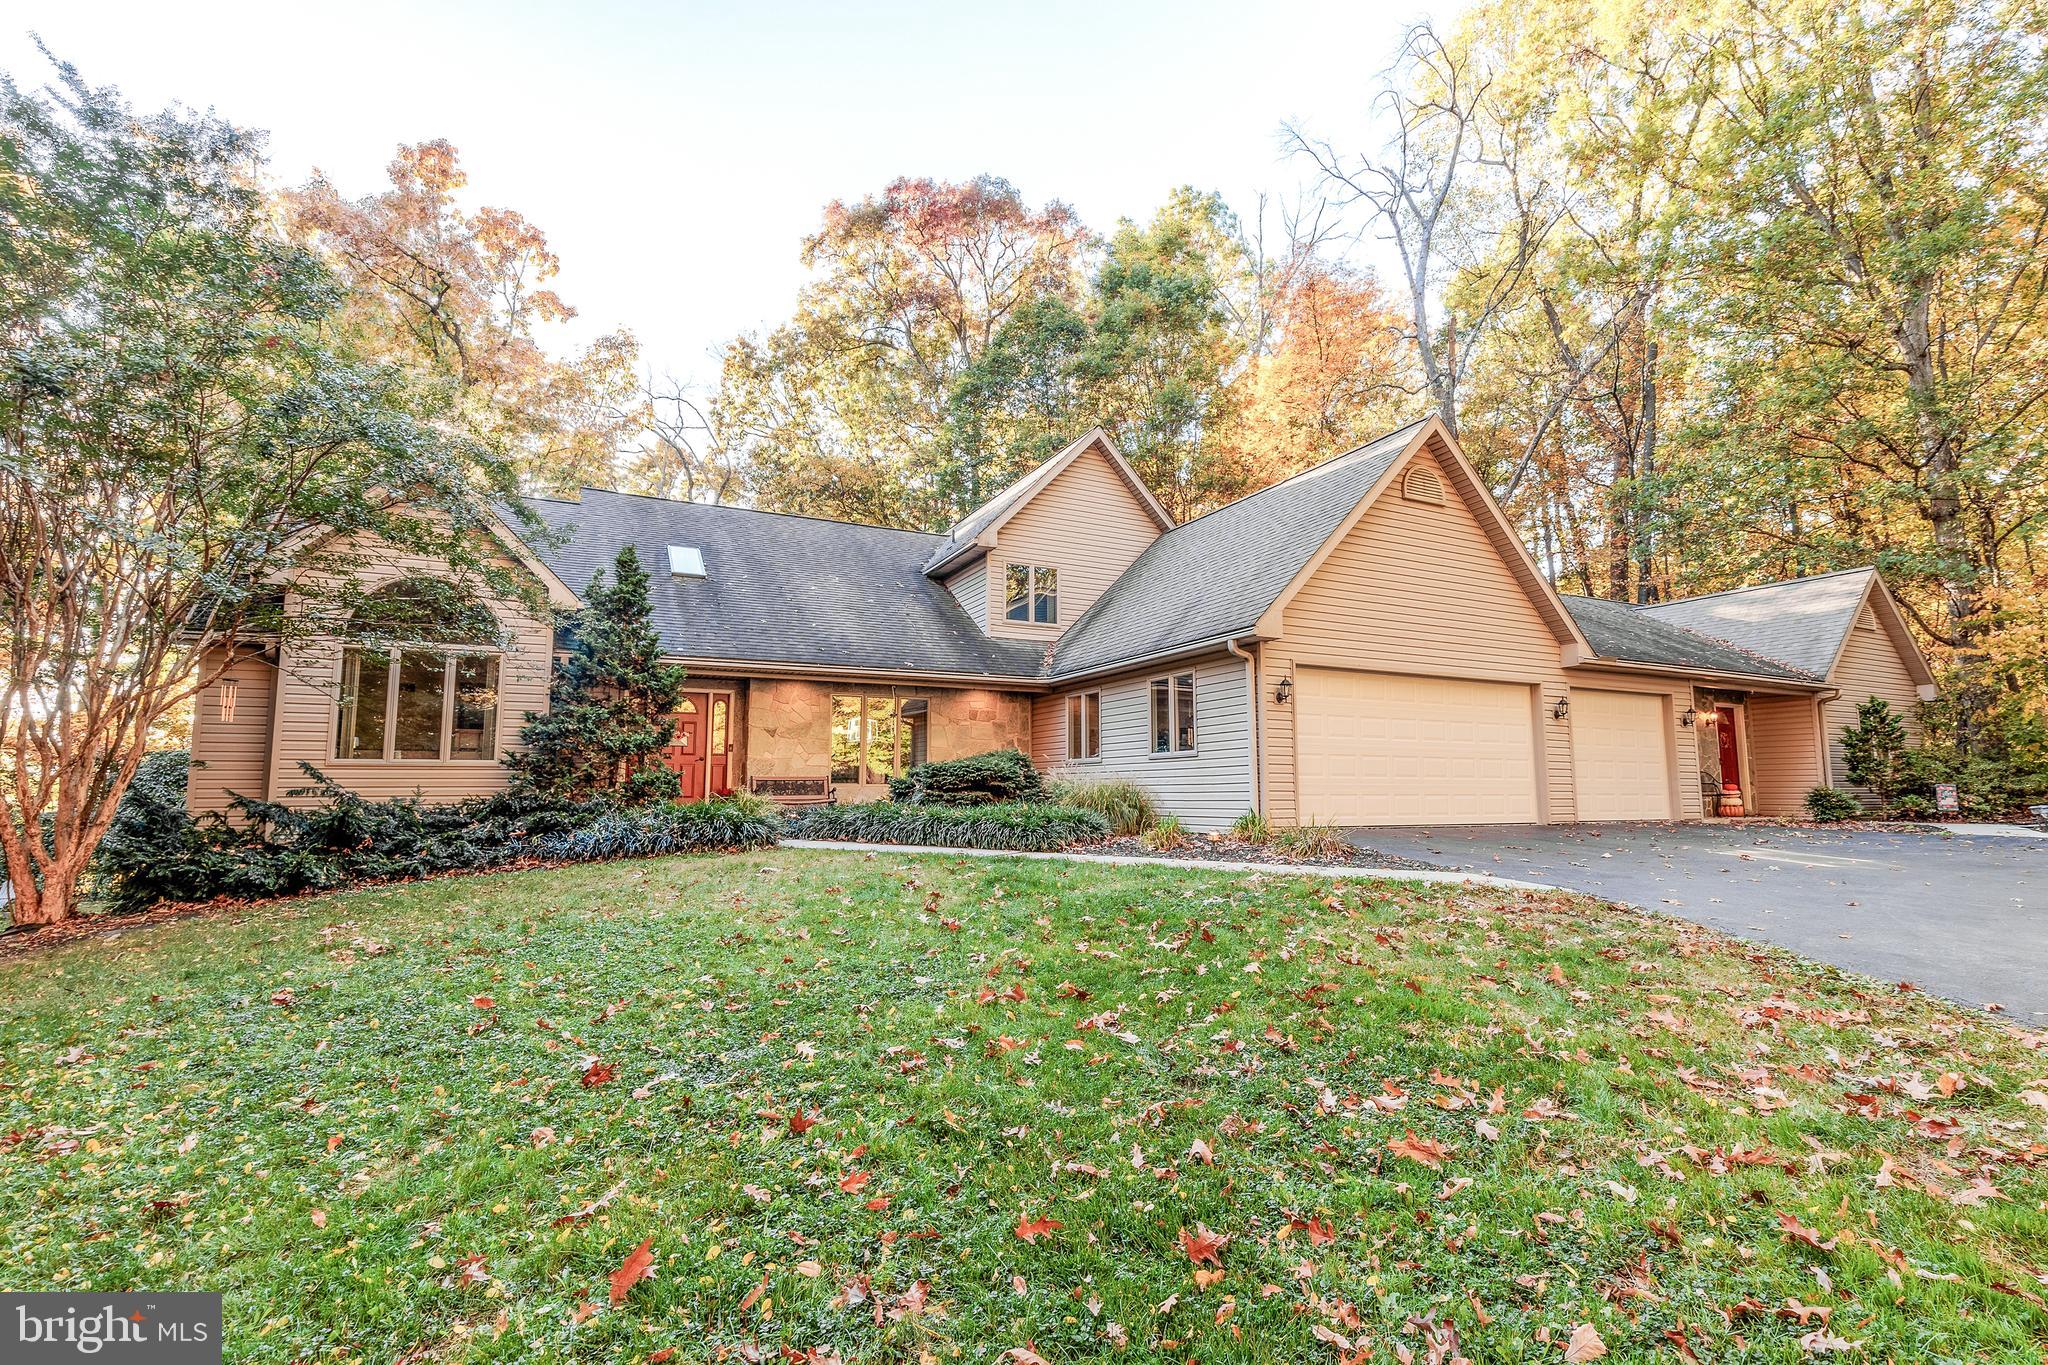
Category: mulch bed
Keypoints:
(1202, 848)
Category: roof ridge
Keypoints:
(1318, 467)
(1756, 587)
(734, 507)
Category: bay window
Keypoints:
(875, 738)
(402, 701)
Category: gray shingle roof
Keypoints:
(1617, 630)
(1216, 575)
(806, 591)
(1801, 621)
(782, 589)
(963, 531)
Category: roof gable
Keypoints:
(1431, 434)
(977, 530)
(1215, 576)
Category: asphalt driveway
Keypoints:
(1964, 917)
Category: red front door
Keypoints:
(1731, 758)
(686, 752)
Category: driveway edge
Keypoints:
(1392, 874)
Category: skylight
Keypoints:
(685, 561)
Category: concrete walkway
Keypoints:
(1397, 874)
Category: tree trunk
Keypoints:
(55, 901)
(1646, 470)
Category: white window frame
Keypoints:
(1077, 727)
(1174, 716)
(1032, 594)
(449, 657)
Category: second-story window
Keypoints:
(1031, 592)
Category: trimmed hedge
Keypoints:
(658, 830)
(157, 851)
(1001, 775)
(1034, 828)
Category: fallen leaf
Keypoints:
(1036, 1228)
(1425, 1150)
(1584, 1345)
(636, 1267)
(1203, 1245)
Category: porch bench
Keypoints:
(794, 791)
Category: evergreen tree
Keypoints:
(611, 706)
(1872, 747)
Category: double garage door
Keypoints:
(1392, 749)
(1388, 749)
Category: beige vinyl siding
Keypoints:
(310, 679)
(1087, 524)
(1870, 666)
(1784, 753)
(1416, 588)
(970, 588)
(231, 756)
(1207, 789)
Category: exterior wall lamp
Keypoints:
(1284, 693)
(1691, 715)
(1562, 709)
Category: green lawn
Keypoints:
(369, 1119)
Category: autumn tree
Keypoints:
(1337, 371)
(466, 294)
(842, 410)
(1880, 239)
(182, 426)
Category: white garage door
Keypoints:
(1618, 756)
(1385, 749)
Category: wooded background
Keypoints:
(1713, 292)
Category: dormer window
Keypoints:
(685, 561)
(1031, 592)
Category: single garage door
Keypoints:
(1618, 755)
(1387, 749)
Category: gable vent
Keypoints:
(685, 561)
(1421, 484)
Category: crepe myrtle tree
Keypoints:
(179, 435)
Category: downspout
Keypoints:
(1258, 726)
(1820, 725)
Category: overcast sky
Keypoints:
(675, 155)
